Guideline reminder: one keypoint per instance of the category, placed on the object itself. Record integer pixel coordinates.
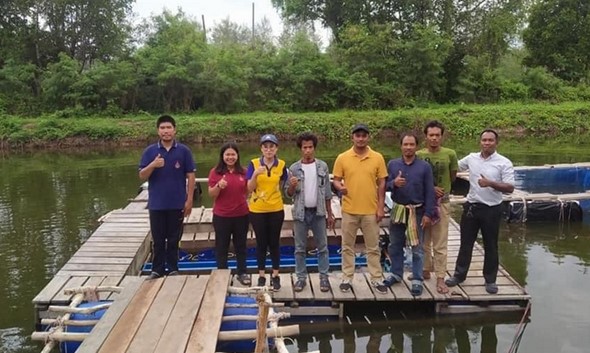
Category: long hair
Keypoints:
(221, 167)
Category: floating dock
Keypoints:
(115, 253)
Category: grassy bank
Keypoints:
(461, 121)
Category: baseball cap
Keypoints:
(269, 138)
(360, 127)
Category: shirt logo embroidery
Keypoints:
(177, 165)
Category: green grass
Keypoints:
(515, 119)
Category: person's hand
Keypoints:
(399, 180)
(158, 162)
(188, 206)
(426, 222)
(293, 181)
(484, 182)
(222, 183)
(380, 214)
(331, 222)
(440, 192)
(260, 170)
(343, 190)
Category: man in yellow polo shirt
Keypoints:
(359, 176)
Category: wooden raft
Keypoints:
(171, 314)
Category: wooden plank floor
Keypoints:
(116, 248)
(171, 314)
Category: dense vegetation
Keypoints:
(461, 121)
(76, 58)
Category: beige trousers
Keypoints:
(435, 243)
(370, 228)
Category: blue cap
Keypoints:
(269, 138)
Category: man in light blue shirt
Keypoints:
(490, 175)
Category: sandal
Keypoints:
(441, 287)
(324, 284)
(244, 279)
(416, 290)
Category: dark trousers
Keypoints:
(166, 227)
(478, 216)
(226, 229)
(267, 227)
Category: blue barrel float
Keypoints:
(70, 347)
(236, 325)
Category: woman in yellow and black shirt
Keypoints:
(266, 176)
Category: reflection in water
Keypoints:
(49, 204)
(420, 337)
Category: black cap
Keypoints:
(360, 127)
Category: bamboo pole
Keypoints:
(76, 300)
(263, 300)
(70, 291)
(84, 311)
(53, 322)
(252, 334)
(59, 336)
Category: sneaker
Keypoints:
(324, 284)
(492, 288)
(154, 275)
(276, 283)
(244, 279)
(453, 281)
(261, 281)
(345, 286)
(391, 280)
(299, 285)
(173, 273)
(379, 287)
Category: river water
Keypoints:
(50, 203)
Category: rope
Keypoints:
(520, 330)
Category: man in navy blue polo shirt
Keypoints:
(169, 168)
(412, 191)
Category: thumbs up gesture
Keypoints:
(293, 181)
(158, 161)
(483, 181)
(222, 183)
(399, 180)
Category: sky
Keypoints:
(238, 11)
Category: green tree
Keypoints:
(59, 82)
(558, 38)
(171, 61)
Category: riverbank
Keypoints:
(516, 119)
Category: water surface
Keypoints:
(50, 203)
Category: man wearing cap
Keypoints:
(170, 169)
(359, 176)
(266, 176)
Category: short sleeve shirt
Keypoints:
(442, 162)
(360, 177)
(231, 201)
(167, 185)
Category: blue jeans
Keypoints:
(397, 241)
(317, 224)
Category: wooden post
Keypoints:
(263, 307)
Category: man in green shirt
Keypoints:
(444, 165)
